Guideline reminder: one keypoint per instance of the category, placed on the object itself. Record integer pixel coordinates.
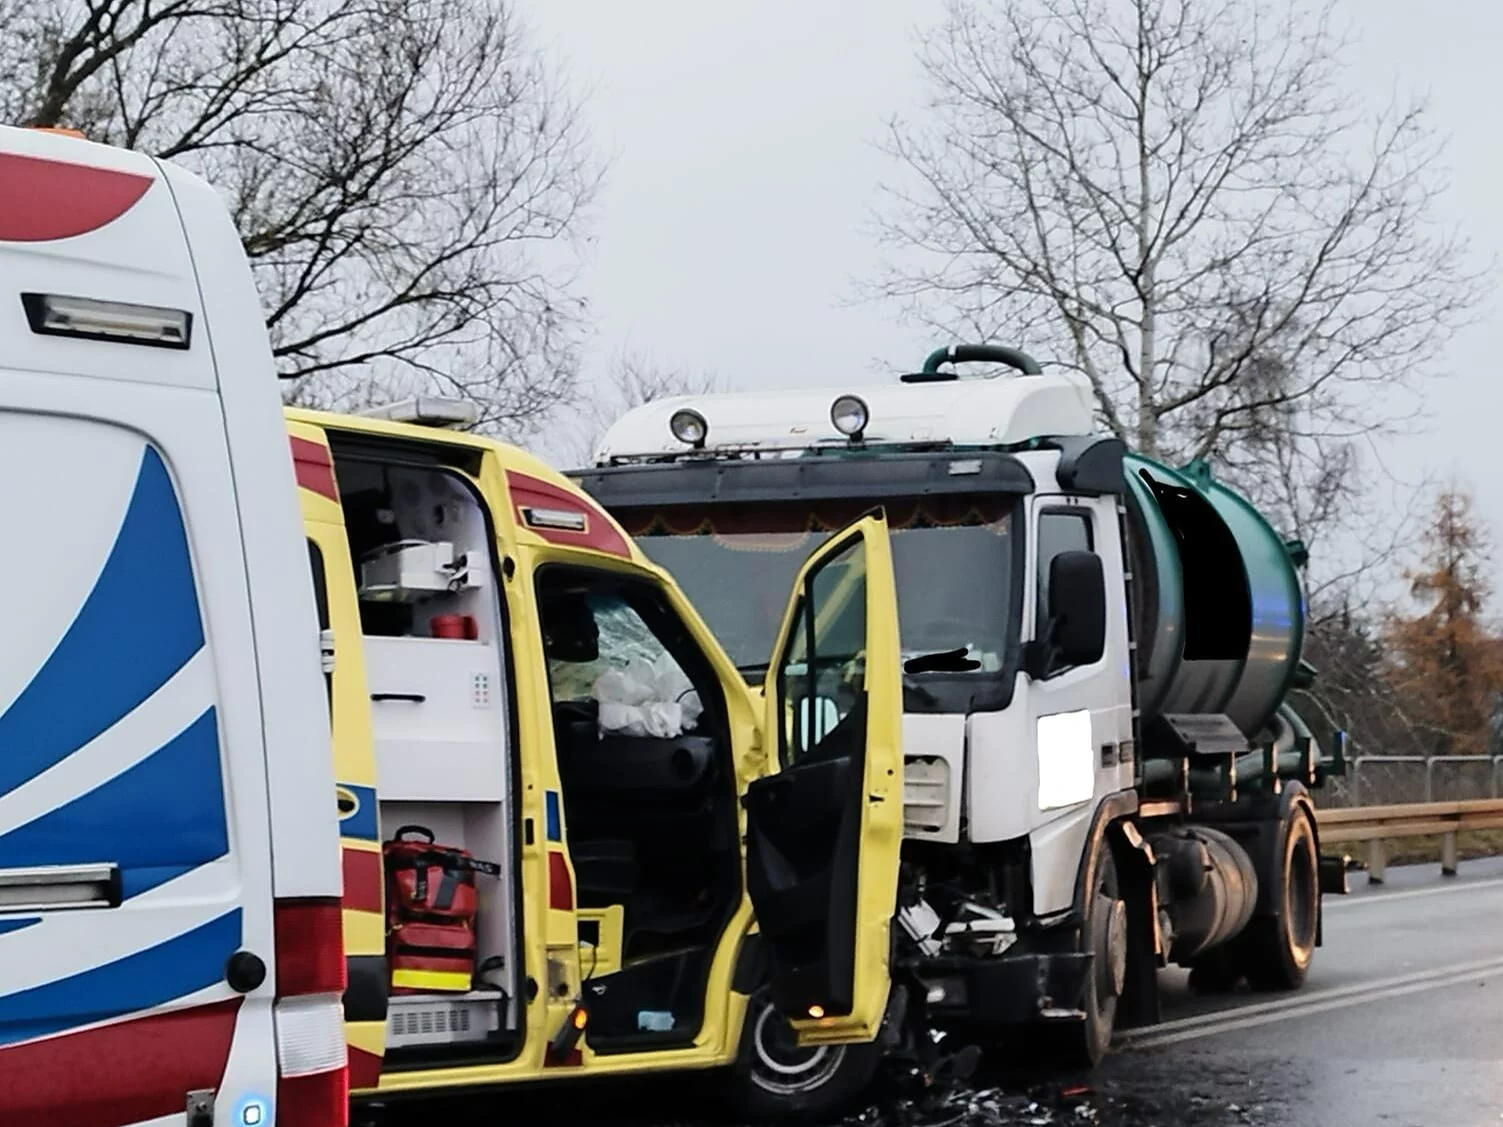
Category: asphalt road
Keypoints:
(1400, 1024)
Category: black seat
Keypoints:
(606, 871)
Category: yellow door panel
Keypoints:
(824, 831)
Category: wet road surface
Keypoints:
(1399, 1025)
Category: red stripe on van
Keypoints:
(362, 880)
(314, 467)
(560, 887)
(41, 200)
(601, 533)
(121, 1073)
(365, 1069)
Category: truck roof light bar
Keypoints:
(689, 427)
(849, 414)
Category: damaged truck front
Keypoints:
(1103, 774)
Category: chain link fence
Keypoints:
(1381, 780)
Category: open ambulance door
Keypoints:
(824, 832)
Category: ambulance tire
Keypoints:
(775, 1078)
(1275, 950)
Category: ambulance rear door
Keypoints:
(138, 945)
(348, 694)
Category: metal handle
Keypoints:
(45, 887)
(415, 698)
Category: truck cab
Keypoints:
(169, 883)
(679, 872)
(1101, 773)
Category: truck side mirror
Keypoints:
(1077, 608)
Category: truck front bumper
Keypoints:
(1008, 990)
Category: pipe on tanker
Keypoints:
(1213, 889)
(982, 354)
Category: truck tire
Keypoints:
(1276, 949)
(775, 1078)
(1103, 931)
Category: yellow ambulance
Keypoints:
(673, 872)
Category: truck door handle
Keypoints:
(415, 698)
(43, 887)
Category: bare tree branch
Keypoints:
(1181, 201)
(634, 378)
(407, 178)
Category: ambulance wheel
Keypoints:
(1276, 950)
(777, 1078)
(1103, 932)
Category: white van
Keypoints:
(161, 719)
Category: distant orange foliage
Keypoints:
(1445, 662)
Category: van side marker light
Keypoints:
(564, 519)
(118, 321)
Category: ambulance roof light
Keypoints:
(427, 411)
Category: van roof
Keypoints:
(512, 458)
(55, 186)
(105, 232)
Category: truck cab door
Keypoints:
(1080, 714)
(824, 831)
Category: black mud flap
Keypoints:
(1139, 1004)
(1333, 876)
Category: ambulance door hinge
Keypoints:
(326, 650)
(201, 1108)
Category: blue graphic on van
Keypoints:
(182, 965)
(139, 626)
(552, 823)
(357, 812)
(157, 820)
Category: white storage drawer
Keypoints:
(438, 718)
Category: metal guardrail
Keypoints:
(1376, 825)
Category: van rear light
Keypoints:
(310, 1035)
(314, 1085)
(119, 321)
(310, 947)
(320, 1100)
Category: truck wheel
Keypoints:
(1276, 950)
(1103, 932)
(777, 1078)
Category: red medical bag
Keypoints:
(431, 904)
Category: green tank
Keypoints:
(1220, 609)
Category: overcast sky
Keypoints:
(734, 221)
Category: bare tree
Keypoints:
(1180, 202)
(633, 378)
(405, 175)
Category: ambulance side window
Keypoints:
(822, 672)
(617, 644)
(321, 599)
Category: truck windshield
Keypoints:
(953, 558)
